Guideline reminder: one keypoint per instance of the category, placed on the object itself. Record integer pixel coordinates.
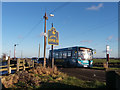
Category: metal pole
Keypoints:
(39, 52)
(10, 53)
(14, 50)
(52, 57)
(52, 54)
(21, 54)
(107, 54)
(46, 18)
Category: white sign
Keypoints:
(108, 48)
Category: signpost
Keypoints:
(107, 53)
(53, 39)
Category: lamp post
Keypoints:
(52, 15)
(15, 50)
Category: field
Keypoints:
(104, 60)
(113, 64)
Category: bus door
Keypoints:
(74, 58)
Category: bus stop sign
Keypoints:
(53, 37)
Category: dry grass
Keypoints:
(40, 77)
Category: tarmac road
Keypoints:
(85, 73)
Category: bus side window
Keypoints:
(60, 54)
(64, 54)
(69, 53)
(56, 55)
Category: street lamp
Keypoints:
(52, 15)
(14, 49)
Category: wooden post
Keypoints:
(9, 72)
(18, 63)
(29, 63)
(46, 18)
(33, 63)
(9, 68)
(23, 64)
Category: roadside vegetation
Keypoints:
(104, 60)
(114, 64)
(102, 68)
(40, 77)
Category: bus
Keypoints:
(72, 57)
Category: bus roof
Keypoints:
(72, 48)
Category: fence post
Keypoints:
(9, 68)
(29, 64)
(23, 64)
(33, 63)
(18, 62)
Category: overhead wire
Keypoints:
(59, 7)
(56, 9)
(31, 30)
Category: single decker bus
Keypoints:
(72, 57)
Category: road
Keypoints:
(85, 74)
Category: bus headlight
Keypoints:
(79, 62)
(91, 62)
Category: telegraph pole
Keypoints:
(39, 52)
(46, 18)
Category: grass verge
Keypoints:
(102, 68)
(40, 77)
